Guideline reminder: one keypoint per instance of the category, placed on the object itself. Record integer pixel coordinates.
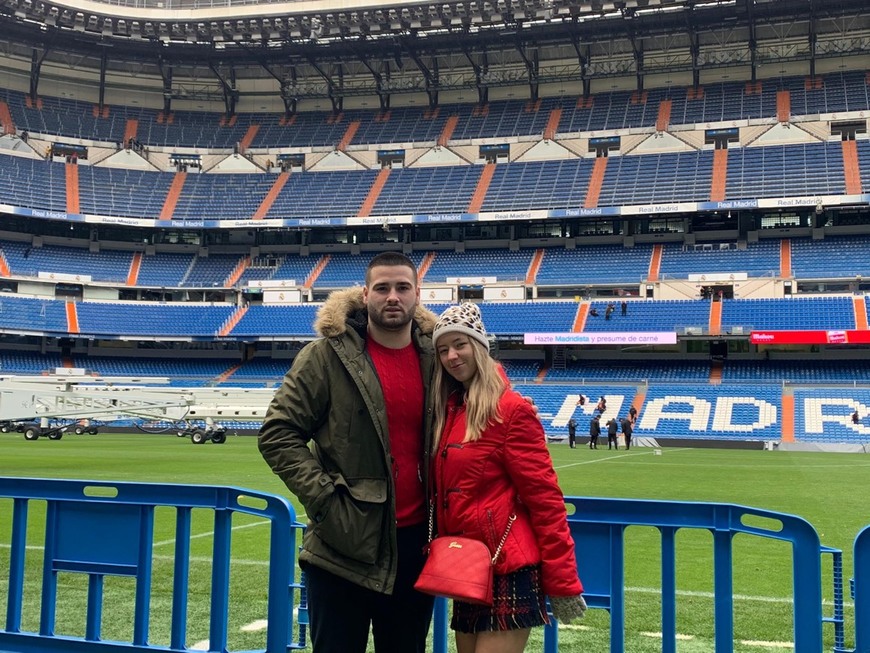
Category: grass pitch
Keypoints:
(829, 490)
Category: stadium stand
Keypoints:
(164, 270)
(778, 371)
(755, 259)
(824, 415)
(785, 171)
(27, 261)
(652, 178)
(732, 412)
(545, 184)
(794, 313)
(834, 257)
(504, 266)
(112, 191)
(293, 321)
(221, 195)
(405, 188)
(663, 315)
(20, 362)
(752, 173)
(594, 265)
(610, 110)
(831, 258)
(35, 184)
(323, 194)
(137, 318)
(631, 371)
(21, 314)
(174, 368)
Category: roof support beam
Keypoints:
(36, 59)
(333, 90)
(636, 46)
(231, 94)
(481, 70)
(753, 41)
(583, 54)
(166, 74)
(532, 67)
(286, 96)
(430, 77)
(383, 95)
(694, 45)
(102, 90)
(813, 38)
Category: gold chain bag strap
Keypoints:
(460, 568)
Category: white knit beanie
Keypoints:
(462, 318)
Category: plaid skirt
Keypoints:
(518, 603)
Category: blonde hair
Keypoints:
(481, 396)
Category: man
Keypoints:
(358, 394)
(626, 431)
(594, 432)
(612, 428)
(572, 433)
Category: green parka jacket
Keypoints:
(325, 435)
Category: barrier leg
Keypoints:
(439, 626)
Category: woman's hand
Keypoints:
(568, 608)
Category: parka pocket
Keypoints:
(354, 523)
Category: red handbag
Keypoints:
(460, 568)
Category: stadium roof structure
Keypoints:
(318, 49)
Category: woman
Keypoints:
(494, 481)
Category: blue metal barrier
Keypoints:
(105, 529)
(102, 529)
(862, 591)
(599, 525)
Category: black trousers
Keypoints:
(611, 440)
(342, 612)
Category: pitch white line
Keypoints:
(613, 457)
(751, 642)
(301, 516)
(737, 597)
(209, 560)
(210, 533)
(255, 626)
(678, 636)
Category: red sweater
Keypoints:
(402, 385)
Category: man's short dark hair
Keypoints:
(391, 259)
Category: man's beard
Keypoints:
(390, 321)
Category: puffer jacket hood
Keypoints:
(346, 308)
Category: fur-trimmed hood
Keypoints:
(345, 308)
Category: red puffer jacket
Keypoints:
(508, 470)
